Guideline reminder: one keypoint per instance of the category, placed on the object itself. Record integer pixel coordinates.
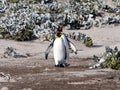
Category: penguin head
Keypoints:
(59, 28)
(58, 34)
(59, 31)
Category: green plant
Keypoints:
(118, 66)
(77, 0)
(88, 42)
(14, 1)
(4, 34)
(111, 62)
(25, 35)
(39, 11)
(7, 36)
(38, 1)
(91, 7)
(110, 10)
(1, 15)
(61, 10)
(84, 0)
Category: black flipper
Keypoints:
(48, 50)
(72, 46)
(65, 53)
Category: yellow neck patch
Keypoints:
(58, 38)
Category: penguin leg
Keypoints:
(62, 63)
(59, 64)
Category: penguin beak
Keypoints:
(58, 33)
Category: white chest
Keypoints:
(59, 49)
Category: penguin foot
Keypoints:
(60, 65)
(57, 66)
(67, 64)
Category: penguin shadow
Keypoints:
(97, 46)
(80, 50)
(20, 56)
(77, 67)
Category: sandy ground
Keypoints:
(102, 37)
(35, 73)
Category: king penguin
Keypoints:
(61, 46)
(68, 44)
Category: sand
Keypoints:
(35, 73)
(102, 37)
